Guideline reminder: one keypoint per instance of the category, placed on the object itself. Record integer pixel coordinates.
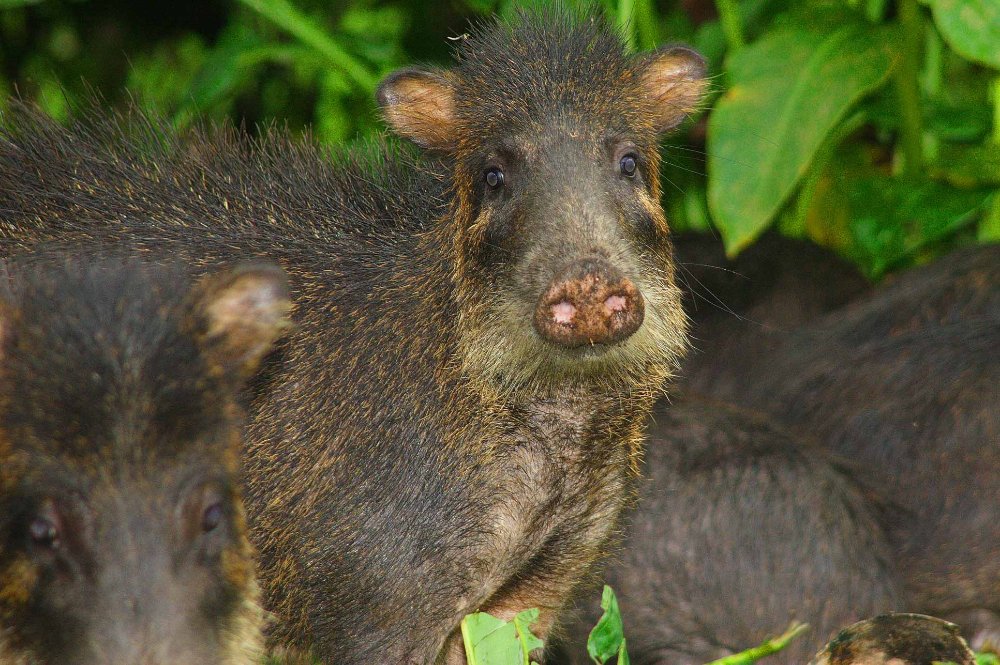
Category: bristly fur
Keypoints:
(105, 387)
(399, 476)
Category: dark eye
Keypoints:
(44, 533)
(212, 517)
(494, 178)
(628, 165)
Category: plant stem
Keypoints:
(907, 82)
(995, 94)
(627, 22)
(287, 17)
(766, 649)
(732, 23)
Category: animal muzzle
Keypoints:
(589, 302)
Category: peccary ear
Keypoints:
(420, 105)
(243, 310)
(674, 82)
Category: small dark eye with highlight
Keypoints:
(494, 178)
(628, 165)
(44, 533)
(212, 517)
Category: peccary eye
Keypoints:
(628, 165)
(494, 178)
(44, 533)
(212, 517)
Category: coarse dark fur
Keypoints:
(418, 452)
(897, 394)
(741, 529)
(906, 384)
(745, 306)
(119, 437)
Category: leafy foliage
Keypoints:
(870, 126)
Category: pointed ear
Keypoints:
(420, 105)
(244, 310)
(673, 80)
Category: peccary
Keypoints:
(741, 529)
(897, 639)
(906, 384)
(122, 535)
(895, 396)
(455, 423)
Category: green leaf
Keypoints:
(987, 659)
(788, 91)
(522, 624)
(623, 655)
(608, 636)
(769, 647)
(971, 27)
(969, 166)
(492, 641)
(989, 231)
(894, 219)
(286, 16)
(10, 4)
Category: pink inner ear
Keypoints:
(421, 107)
(675, 83)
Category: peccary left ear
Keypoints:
(420, 105)
(243, 311)
(674, 82)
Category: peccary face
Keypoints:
(561, 247)
(122, 537)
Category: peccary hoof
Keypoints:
(897, 639)
(589, 302)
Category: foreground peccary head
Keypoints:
(122, 537)
(562, 257)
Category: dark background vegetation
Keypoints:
(869, 126)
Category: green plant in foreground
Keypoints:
(491, 641)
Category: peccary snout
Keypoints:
(589, 302)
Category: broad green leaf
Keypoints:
(788, 91)
(10, 4)
(969, 166)
(608, 636)
(971, 27)
(989, 231)
(492, 641)
(894, 219)
(769, 647)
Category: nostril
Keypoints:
(615, 303)
(563, 312)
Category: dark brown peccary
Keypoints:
(455, 423)
(122, 534)
(959, 287)
(906, 384)
(743, 307)
(897, 639)
(741, 528)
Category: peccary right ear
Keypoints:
(243, 310)
(420, 105)
(674, 82)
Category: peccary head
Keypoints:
(122, 537)
(561, 251)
